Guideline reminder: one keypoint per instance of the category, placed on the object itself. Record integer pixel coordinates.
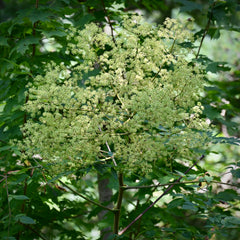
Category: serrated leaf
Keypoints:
(211, 112)
(23, 44)
(175, 203)
(34, 14)
(189, 206)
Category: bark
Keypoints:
(105, 195)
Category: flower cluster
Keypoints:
(133, 98)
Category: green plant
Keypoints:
(133, 151)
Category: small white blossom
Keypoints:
(140, 91)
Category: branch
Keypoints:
(119, 203)
(164, 193)
(34, 31)
(157, 185)
(36, 232)
(175, 183)
(229, 184)
(109, 149)
(109, 21)
(205, 30)
(87, 199)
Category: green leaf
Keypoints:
(175, 203)
(230, 221)
(217, 66)
(65, 1)
(208, 179)
(113, 237)
(211, 112)
(34, 14)
(3, 41)
(180, 173)
(60, 176)
(110, 154)
(229, 140)
(23, 44)
(19, 197)
(54, 33)
(113, 180)
(227, 195)
(84, 20)
(189, 206)
(214, 33)
(189, 6)
(236, 172)
(191, 177)
(24, 219)
(4, 148)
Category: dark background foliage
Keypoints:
(34, 205)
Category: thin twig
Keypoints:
(87, 199)
(205, 30)
(164, 193)
(109, 149)
(34, 31)
(36, 232)
(174, 183)
(109, 21)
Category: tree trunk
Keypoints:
(105, 195)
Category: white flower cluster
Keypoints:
(136, 92)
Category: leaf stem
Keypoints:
(164, 193)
